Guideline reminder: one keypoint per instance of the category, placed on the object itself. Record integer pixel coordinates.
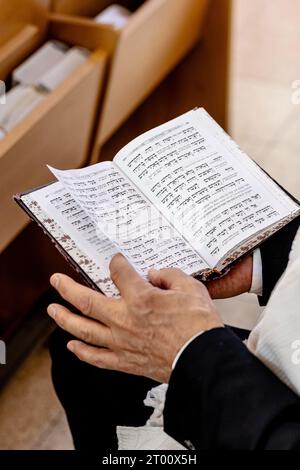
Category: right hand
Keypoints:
(141, 332)
(236, 282)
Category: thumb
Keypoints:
(174, 279)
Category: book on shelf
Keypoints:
(35, 78)
(181, 195)
(20, 101)
(49, 66)
(114, 15)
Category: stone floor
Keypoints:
(265, 122)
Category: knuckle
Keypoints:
(84, 334)
(80, 356)
(114, 274)
(165, 270)
(174, 271)
(136, 303)
(98, 362)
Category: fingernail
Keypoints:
(54, 280)
(51, 311)
(70, 347)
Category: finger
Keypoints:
(102, 358)
(125, 277)
(174, 279)
(237, 281)
(89, 302)
(83, 328)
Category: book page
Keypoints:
(75, 232)
(212, 193)
(121, 212)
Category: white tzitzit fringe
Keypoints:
(152, 435)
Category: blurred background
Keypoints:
(242, 67)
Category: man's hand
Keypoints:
(236, 282)
(141, 332)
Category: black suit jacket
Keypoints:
(220, 396)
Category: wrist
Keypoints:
(190, 340)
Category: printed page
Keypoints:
(211, 193)
(74, 230)
(121, 212)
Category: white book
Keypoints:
(39, 63)
(115, 15)
(20, 101)
(2, 134)
(181, 195)
(61, 71)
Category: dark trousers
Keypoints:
(96, 400)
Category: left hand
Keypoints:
(141, 332)
(237, 281)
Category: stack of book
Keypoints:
(39, 75)
(115, 15)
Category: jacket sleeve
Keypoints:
(221, 397)
(275, 254)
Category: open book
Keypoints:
(181, 195)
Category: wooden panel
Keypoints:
(157, 37)
(9, 30)
(22, 26)
(91, 7)
(68, 28)
(25, 268)
(57, 132)
(19, 46)
(24, 11)
(79, 7)
(201, 79)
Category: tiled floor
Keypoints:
(266, 43)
